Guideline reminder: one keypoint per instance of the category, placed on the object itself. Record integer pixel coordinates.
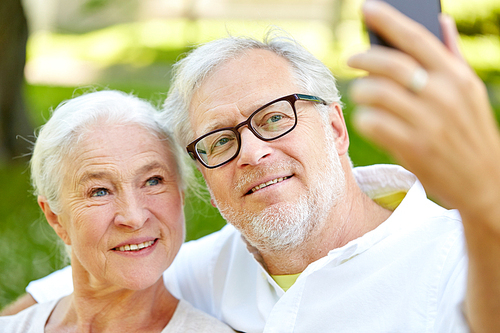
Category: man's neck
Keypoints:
(356, 215)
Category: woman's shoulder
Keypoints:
(190, 320)
(30, 320)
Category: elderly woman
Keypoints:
(108, 179)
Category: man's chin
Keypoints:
(279, 227)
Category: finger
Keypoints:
(450, 35)
(405, 34)
(409, 147)
(386, 62)
(386, 94)
(384, 129)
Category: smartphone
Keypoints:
(425, 12)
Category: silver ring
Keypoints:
(418, 80)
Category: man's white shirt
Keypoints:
(407, 275)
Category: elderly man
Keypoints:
(312, 245)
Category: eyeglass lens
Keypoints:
(268, 123)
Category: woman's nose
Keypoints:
(131, 213)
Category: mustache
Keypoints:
(251, 176)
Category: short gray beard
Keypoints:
(285, 226)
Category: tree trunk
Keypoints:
(14, 120)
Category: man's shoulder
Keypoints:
(214, 241)
(200, 256)
(202, 265)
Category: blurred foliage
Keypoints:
(93, 5)
(489, 25)
(32, 251)
(147, 42)
(472, 13)
(478, 23)
(136, 44)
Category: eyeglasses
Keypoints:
(269, 122)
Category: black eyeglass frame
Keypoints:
(290, 99)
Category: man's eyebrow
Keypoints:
(212, 126)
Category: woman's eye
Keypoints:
(153, 181)
(100, 192)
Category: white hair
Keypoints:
(312, 76)
(58, 138)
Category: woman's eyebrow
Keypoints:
(87, 176)
(93, 175)
(152, 166)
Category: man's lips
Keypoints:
(268, 183)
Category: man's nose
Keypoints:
(132, 212)
(253, 150)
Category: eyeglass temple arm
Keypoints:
(311, 98)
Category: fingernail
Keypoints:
(370, 5)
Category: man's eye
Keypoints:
(153, 181)
(221, 142)
(100, 192)
(275, 118)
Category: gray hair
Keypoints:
(312, 76)
(62, 132)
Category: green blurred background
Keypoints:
(130, 45)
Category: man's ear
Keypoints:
(53, 220)
(202, 171)
(183, 197)
(337, 121)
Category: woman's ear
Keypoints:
(337, 121)
(53, 220)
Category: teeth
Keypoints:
(134, 247)
(274, 181)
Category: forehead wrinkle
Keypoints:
(154, 166)
(89, 176)
(91, 173)
(222, 116)
(108, 167)
(239, 95)
(214, 118)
